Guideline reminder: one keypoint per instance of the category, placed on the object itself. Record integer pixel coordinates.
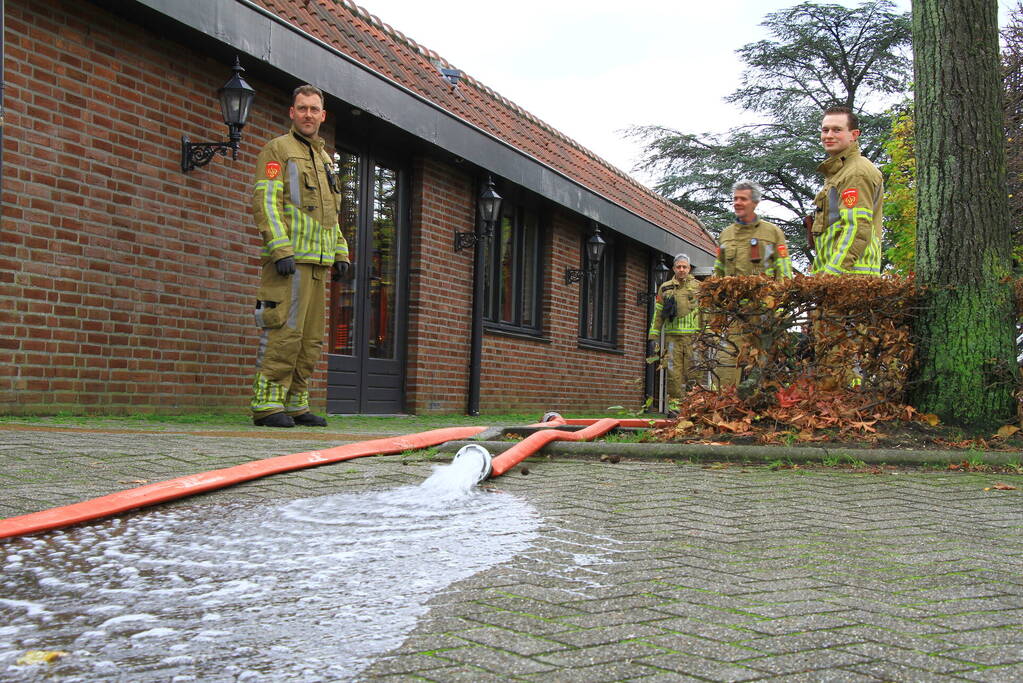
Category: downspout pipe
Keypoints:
(3, 61)
(476, 332)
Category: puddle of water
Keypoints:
(310, 590)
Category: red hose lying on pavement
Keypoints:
(537, 440)
(181, 487)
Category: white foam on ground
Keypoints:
(312, 589)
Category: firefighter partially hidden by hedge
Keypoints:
(749, 246)
(676, 321)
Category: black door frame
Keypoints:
(360, 366)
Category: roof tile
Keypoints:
(364, 37)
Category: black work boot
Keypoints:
(274, 420)
(310, 420)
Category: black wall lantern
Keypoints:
(661, 274)
(489, 206)
(594, 252)
(235, 101)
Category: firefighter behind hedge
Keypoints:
(749, 246)
(845, 229)
(295, 202)
(676, 321)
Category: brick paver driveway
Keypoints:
(658, 571)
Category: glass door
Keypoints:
(367, 307)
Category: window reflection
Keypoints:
(383, 264)
(342, 309)
(599, 299)
(511, 272)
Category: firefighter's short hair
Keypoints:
(756, 192)
(681, 257)
(308, 90)
(854, 121)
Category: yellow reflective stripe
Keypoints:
(783, 267)
(655, 328)
(311, 241)
(684, 324)
(330, 240)
(268, 193)
(266, 395)
(845, 235)
(340, 246)
(297, 399)
(838, 240)
(870, 262)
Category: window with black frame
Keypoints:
(598, 314)
(512, 272)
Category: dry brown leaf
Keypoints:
(1001, 487)
(931, 419)
(1006, 431)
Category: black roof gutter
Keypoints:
(250, 29)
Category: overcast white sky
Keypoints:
(592, 68)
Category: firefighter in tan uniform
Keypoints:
(677, 316)
(295, 202)
(845, 231)
(846, 225)
(749, 246)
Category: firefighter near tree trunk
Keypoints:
(676, 323)
(846, 226)
(295, 202)
(845, 231)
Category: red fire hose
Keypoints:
(181, 487)
(537, 440)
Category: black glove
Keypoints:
(651, 347)
(285, 266)
(339, 270)
(670, 308)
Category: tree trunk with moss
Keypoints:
(967, 368)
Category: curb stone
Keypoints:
(761, 454)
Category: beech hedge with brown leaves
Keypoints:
(816, 352)
(829, 332)
(822, 357)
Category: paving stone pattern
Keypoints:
(657, 571)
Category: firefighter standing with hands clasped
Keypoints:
(677, 315)
(749, 246)
(295, 201)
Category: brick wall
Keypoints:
(440, 289)
(518, 375)
(559, 374)
(125, 285)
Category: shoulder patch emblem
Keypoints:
(273, 169)
(849, 197)
(783, 251)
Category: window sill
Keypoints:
(516, 334)
(597, 346)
